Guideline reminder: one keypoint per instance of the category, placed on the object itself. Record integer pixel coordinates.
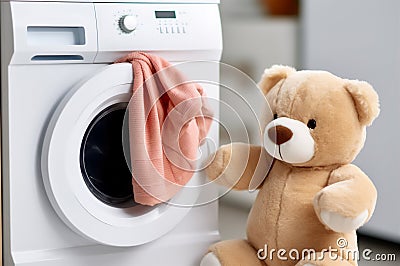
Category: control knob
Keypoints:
(127, 23)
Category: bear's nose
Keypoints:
(279, 134)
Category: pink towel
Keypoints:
(168, 118)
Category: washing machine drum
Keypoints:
(85, 170)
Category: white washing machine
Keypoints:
(62, 98)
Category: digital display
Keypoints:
(165, 14)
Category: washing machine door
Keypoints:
(85, 172)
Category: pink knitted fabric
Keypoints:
(168, 118)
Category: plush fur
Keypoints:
(310, 204)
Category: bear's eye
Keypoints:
(312, 123)
(275, 116)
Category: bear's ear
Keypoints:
(273, 75)
(365, 100)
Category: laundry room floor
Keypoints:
(232, 224)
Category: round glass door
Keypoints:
(102, 159)
(85, 173)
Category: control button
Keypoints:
(128, 23)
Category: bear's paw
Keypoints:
(342, 224)
(210, 260)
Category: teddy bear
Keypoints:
(311, 199)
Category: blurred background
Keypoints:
(355, 39)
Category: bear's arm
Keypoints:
(348, 201)
(239, 166)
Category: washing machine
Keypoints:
(61, 96)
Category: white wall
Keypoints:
(252, 42)
(360, 39)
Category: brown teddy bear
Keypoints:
(312, 199)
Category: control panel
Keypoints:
(168, 22)
(124, 27)
(101, 32)
(171, 21)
